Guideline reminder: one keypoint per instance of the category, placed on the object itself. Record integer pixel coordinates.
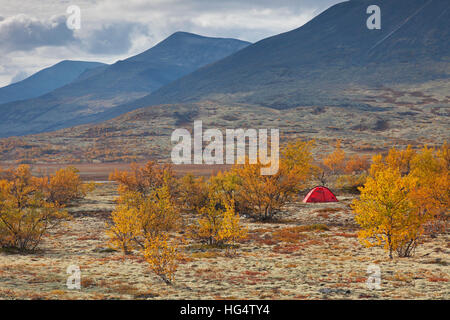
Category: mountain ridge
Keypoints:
(46, 80)
(333, 51)
(100, 89)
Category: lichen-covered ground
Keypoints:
(295, 258)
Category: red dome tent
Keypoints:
(320, 194)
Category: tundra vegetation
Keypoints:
(399, 200)
(402, 197)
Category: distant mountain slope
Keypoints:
(100, 89)
(315, 63)
(398, 117)
(46, 80)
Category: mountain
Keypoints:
(330, 79)
(320, 62)
(99, 89)
(46, 80)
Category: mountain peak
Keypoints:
(335, 50)
(181, 43)
(185, 34)
(121, 82)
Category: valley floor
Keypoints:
(313, 264)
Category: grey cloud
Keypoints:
(115, 29)
(22, 32)
(250, 20)
(21, 75)
(199, 6)
(115, 38)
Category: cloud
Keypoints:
(34, 35)
(23, 32)
(114, 38)
(21, 75)
(250, 20)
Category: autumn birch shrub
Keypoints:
(432, 196)
(146, 212)
(335, 161)
(137, 219)
(355, 173)
(162, 257)
(158, 214)
(145, 205)
(193, 193)
(264, 195)
(330, 166)
(227, 187)
(65, 186)
(26, 215)
(143, 222)
(231, 230)
(384, 211)
(146, 179)
(218, 224)
(405, 192)
(345, 171)
(124, 227)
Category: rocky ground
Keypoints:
(311, 253)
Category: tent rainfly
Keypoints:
(320, 194)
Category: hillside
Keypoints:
(101, 89)
(399, 116)
(46, 80)
(316, 63)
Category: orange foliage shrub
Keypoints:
(335, 161)
(65, 186)
(145, 180)
(193, 192)
(263, 196)
(25, 213)
(348, 172)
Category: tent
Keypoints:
(320, 194)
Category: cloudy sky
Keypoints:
(34, 34)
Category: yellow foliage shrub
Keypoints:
(217, 225)
(406, 191)
(138, 218)
(162, 257)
